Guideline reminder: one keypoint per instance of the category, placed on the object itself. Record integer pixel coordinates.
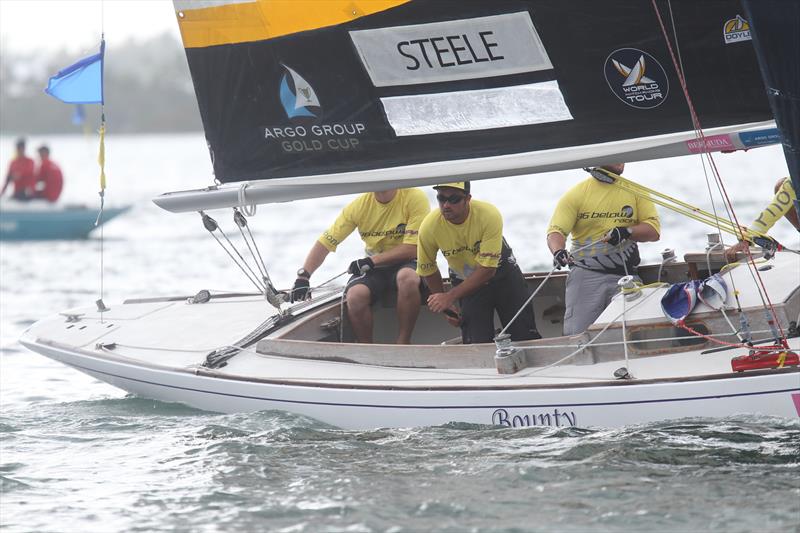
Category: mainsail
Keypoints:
(321, 97)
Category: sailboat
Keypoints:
(316, 98)
(37, 221)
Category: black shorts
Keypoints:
(380, 279)
(504, 293)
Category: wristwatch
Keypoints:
(303, 273)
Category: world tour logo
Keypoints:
(636, 78)
(297, 96)
(736, 30)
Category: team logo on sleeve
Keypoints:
(636, 78)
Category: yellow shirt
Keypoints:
(381, 226)
(780, 205)
(591, 209)
(476, 241)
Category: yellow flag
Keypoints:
(101, 157)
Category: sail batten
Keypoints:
(361, 87)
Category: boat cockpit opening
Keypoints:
(435, 343)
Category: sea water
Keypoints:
(79, 455)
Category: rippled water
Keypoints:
(79, 455)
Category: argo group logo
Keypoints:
(736, 30)
(297, 96)
(307, 129)
(636, 78)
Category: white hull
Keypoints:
(631, 402)
(158, 349)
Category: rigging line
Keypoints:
(591, 341)
(530, 298)
(754, 272)
(722, 308)
(260, 258)
(702, 159)
(675, 34)
(253, 281)
(244, 262)
(257, 259)
(337, 276)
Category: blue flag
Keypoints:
(80, 83)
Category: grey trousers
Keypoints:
(588, 294)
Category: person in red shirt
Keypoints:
(49, 180)
(21, 174)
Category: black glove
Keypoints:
(360, 266)
(768, 244)
(561, 258)
(301, 290)
(617, 235)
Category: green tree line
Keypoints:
(147, 89)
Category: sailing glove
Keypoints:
(768, 244)
(361, 266)
(301, 290)
(617, 235)
(561, 258)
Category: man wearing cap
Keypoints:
(21, 174)
(605, 222)
(483, 271)
(388, 222)
(49, 180)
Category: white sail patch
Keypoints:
(497, 45)
(502, 107)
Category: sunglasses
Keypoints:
(454, 199)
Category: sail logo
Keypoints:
(636, 78)
(297, 95)
(307, 131)
(736, 30)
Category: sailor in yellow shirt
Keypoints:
(388, 222)
(483, 271)
(605, 222)
(782, 205)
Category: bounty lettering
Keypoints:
(501, 417)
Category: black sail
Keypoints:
(400, 92)
(775, 25)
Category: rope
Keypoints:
(530, 298)
(251, 275)
(590, 343)
(715, 171)
(683, 325)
